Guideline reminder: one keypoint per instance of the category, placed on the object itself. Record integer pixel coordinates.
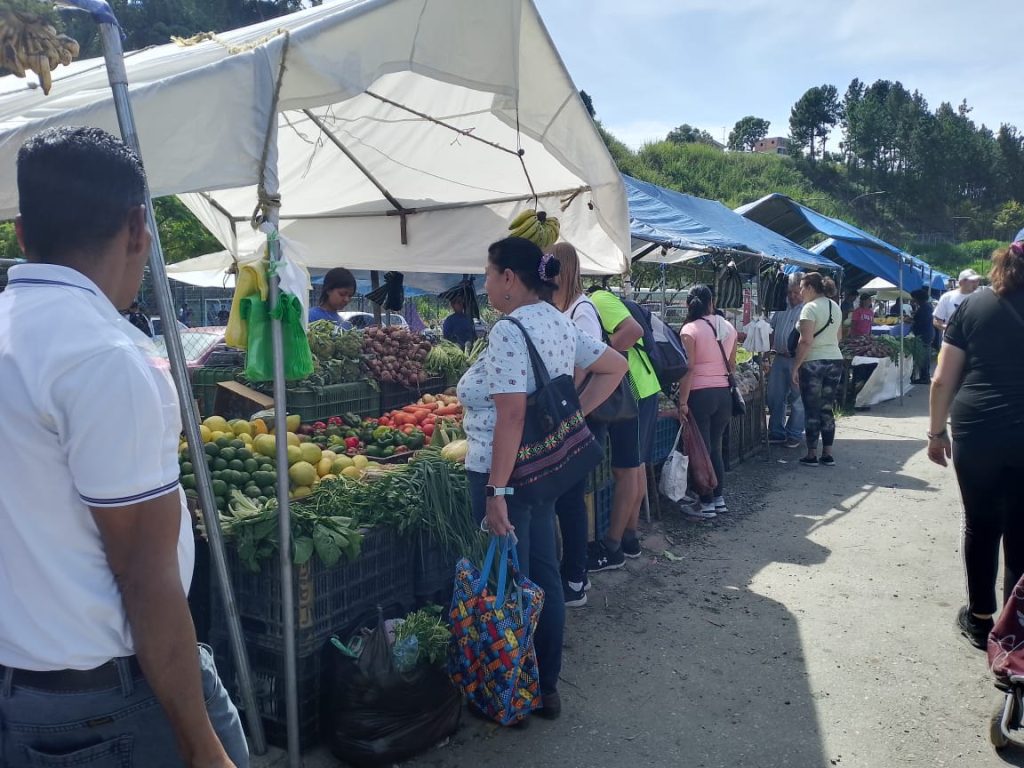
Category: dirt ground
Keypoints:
(811, 626)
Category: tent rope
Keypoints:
(265, 200)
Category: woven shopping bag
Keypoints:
(492, 657)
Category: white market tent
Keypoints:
(394, 141)
(884, 290)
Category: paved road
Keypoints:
(811, 627)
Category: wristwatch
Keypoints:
(492, 490)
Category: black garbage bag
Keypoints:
(376, 715)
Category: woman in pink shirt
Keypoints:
(708, 338)
(862, 318)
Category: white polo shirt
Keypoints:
(85, 419)
(948, 303)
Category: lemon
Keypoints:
(294, 455)
(300, 492)
(302, 474)
(323, 467)
(206, 433)
(311, 453)
(246, 438)
(217, 424)
(360, 462)
(241, 427)
(329, 455)
(265, 445)
(293, 439)
(353, 473)
(293, 421)
(341, 463)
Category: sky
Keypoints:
(651, 65)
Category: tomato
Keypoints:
(428, 429)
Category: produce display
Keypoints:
(870, 346)
(396, 355)
(337, 354)
(535, 226)
(29, 43)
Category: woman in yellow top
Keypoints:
(818, 366)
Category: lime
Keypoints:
(223, 442)
(227, 453)
(211, 449)
(244, 454)
(220, 488)
(236, 444)
(219, 464)
(186, 467)
(253, 492)
(236, 464)
(188, 482)
(250, 465)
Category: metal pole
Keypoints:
(284, 535)
(374, 285)
(902, 332)
(113, 53)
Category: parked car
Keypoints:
(361, 320)
(156, 325)
(205, 348)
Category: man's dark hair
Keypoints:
(75, 188)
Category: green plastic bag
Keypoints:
(259, 359)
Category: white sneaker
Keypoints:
(705, 512)
(720, 504)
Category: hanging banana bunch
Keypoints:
(535, 226)
(29, 43)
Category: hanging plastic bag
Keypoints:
(259, 356)
(674, 471)
(380, 716)
(702, 471)
(298, 360)
(259, 359)
(250, 280)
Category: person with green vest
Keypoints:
(632, 441)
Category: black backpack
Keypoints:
(662, 345)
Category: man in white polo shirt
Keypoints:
(951, 300)
(98, 656)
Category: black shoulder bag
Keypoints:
(620, 405)
(739, 407)
(794, 335)
(557, 450)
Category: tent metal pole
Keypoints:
(902, 332)
(374, 285)
(110, 35)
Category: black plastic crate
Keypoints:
(599, 511)
(320, 403)
(602, 474)
(204, 386)
(433, 567)
(665, 430)
(326, 599)
(395, 396)
(266, 665)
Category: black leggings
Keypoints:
(819, 385)
(989, 473)
(712, 410)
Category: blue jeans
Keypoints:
(782, 392)
(535, 528)
(121, 727)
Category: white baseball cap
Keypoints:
(969, 274)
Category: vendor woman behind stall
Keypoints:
(337, 291)
(458, 327)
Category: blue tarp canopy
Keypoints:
(695, 227)
(862, 254)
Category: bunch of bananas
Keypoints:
(30, 43)
(535, 226)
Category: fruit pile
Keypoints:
(870, 346)
(242, 454)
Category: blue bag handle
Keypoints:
(485, 572)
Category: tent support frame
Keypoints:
(110, 35)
